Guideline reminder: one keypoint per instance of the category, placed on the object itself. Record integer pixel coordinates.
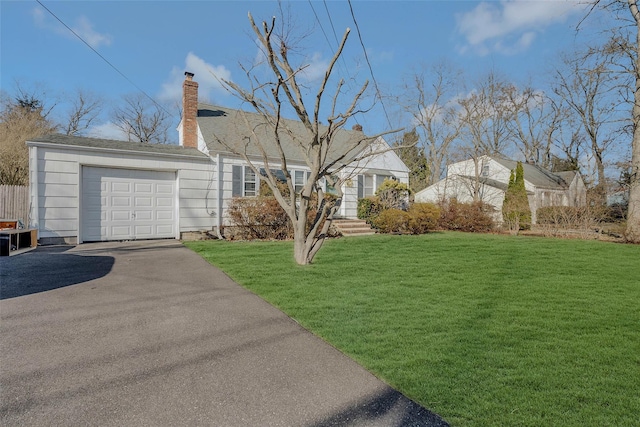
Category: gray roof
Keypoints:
(536, 175)
(100, 143)
(234, 131)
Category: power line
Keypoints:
(344, 64)
(103, 58)
(366, 57)
(320, 23)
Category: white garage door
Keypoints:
(126, 204)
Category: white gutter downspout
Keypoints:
(219, 197)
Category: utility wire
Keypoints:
(366, 57)
(344, 64)
(103, 58)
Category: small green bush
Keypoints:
(470, 217)
(392, 221)
(369, 208)
(423, 217)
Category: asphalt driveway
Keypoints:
(149, 334)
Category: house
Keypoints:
(488, 177)
(88, 189)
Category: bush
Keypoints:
(470, 217)
(393, 194)
(392, 221)
(423, 217)
(259, 218)
(369, 208)
(569, 220)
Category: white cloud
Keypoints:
(207, 75)
(107, 130)
(511, 26)
(83, 28)
(314, 68)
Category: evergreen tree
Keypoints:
(515, 209)
(413, 156)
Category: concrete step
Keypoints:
(353, 227)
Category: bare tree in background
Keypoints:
(535, 120)
(142, 120)
(431, 101)
(484, 116)
(85, 109)
(279, 90)
(624, 48)
(587, 87)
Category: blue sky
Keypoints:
(153, 42)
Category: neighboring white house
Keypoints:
(88, 189)
(488, 177)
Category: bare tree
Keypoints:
(586, 85)
(84, 110)
(624, 48)
(431, 101)
(142, 120)
(484, 116)
(535, 120)
(323, 146)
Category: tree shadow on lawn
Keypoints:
(48, 268)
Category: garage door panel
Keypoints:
(124, 204)
(121, 232)
(143, 187)
(143, 201)
(120, 201)
(120, 215)
(164, 202)
(164, 189)
(164, 229)
(144, 215)
(164, 215)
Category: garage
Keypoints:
(92, 189)
(127, 204)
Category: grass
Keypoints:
(484, 330)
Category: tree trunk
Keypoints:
(632, 233)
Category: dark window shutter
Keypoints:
(360, 186)
(237, 181)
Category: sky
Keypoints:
(131, 47)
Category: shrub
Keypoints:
(470, 217)
(392, 221)
(569, 220)
(369, 208)
(259, 218)
(393, 194)
(423, 217)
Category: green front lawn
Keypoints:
(484, 330)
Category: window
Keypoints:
(244, 181)
(485, 169)
(298, 181)
(365, 186)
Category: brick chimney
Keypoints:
(357, 127)
(189, 111)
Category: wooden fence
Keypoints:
(14, 203)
